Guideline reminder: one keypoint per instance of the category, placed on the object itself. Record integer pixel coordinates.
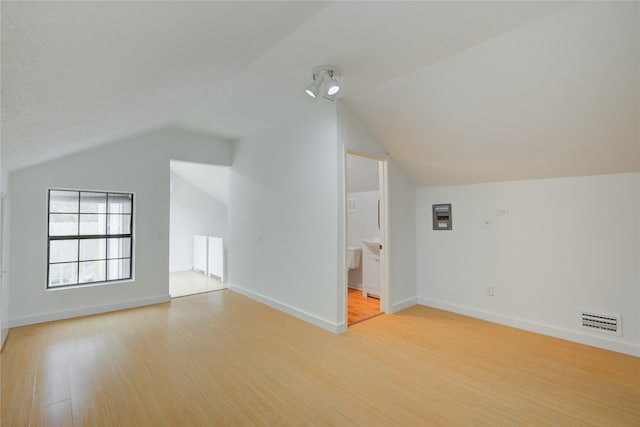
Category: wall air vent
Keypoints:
(607, 323)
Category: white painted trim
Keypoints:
(385, 253)
(606, 343)
(86, 311)
(385, 229)
(303, 315)
(367, 153)
(410, 302)
(3, 338)
(341, 328)
(342, 300)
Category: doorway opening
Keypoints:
(198, 227)
(366, 233)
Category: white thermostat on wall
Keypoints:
(442, 216)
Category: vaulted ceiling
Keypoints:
(213, 180)
(457, 92)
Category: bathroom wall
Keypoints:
(363, 174)
(362, 219)
(362, 223)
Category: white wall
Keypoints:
(283, 216)
(192, 212)
(287, 216)
(354, 136)
(139, 165)
(362, 174)
(567, 245)
(362, 223)
(4, 257)
(402, 241)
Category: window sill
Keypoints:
(89, 285)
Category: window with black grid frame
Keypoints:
(90, 237)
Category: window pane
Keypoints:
(92, 271)
(63, 274)
(76, 214)
(120, 203)
(63, 250)
(119, 248)
(63, 201)
(119, 269)
(92, 249)
(92, 224)
(119, 224)
(93, 202)
(63, 224)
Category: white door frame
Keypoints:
(385, 297)
(385, 292)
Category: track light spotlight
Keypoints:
(314, 88)
(332, 87)
(325, 82)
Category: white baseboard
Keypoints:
(303, 315)
(553, 331)
(181, 268)
(3, 337)
(357, 286)
(410, 302)
(86, 311)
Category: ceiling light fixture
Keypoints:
(325, 82)
(314, 88)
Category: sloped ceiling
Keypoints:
(457, 92)
(558, 97)
(79, 74)
(211, 179)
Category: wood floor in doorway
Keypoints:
(361, 307)
(191, 282)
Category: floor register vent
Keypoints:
(607, 323)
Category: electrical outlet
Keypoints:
(430, 284)
(502, 212)
(486, 222)
(489, 291)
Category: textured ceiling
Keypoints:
(457, 92)
(78, 74)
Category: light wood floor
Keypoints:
(184, 283)
(360, 308)
(221, 359)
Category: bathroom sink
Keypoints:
(373, 245)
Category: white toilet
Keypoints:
(353, 257)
